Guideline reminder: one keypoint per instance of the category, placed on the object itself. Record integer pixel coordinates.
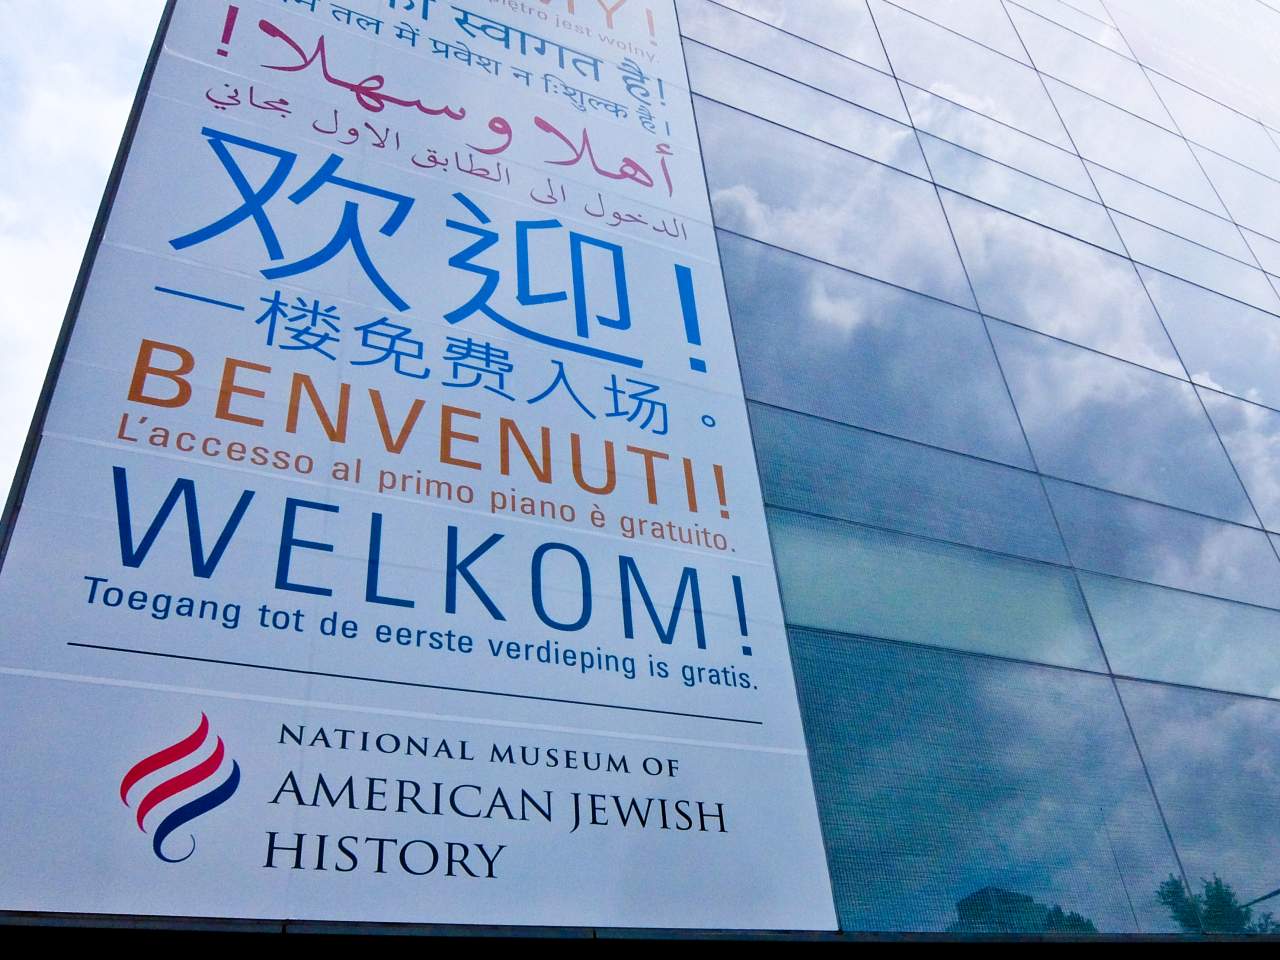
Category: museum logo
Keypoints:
(181, 783)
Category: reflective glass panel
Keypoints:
(1265, 249)
(1155, 633)
(971, 75)
(969, 173)
(1077, 21)
(827, 468)
(1001, 143)
(1169, 213)
(1115, 425)
(1196, 263)
(981, 20)
(717, 26)
(1094, 8)
(1251, 435)
(1214, 760)
(1041, 279)
(970, 795)
(795, 192)
(1226, 51)
(740, 84)
(828, 342)
(1088, 66)
(1112, 534)
(1132, 146)
(1225, 344)
(1219, 128)
(844, 27)
(1254, 200)
(841, 576)
(1110, 424)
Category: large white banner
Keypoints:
(394, 550)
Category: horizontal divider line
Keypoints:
(411, 683)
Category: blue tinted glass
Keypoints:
(841, 576)
(1057, 285)
(745, 37)
(1001, 143)
(1224, 344)
(843, 27)
(793, 191)
(744, 86)
(1089, 66)
(827, 342)
(828, 468)
(1128, 538)
(1168, 212)
(1254, 200)
(1215, 763)
(969, 173)
(929, 57)
(1111, 424)
(1093, 8)
(1198, 264)
(1266, 250)
(1225, 51)
(982, 20)
(1219, 128)
(1132, 146)
(968, 795)
(1251, 435)
(1087, 24)
(1155, 633)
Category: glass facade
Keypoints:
(1004, 279)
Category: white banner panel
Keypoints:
(394, 550)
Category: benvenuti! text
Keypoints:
(458, 437)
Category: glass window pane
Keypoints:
(1110, 424)
(777, 186)
(962, 71)
(1214, 760)
(740, 84)
(1092, 7)
(982, 20)
(1133, 146)
(970, 795)
(1198, 264)
(1254, 200)
(845, 577)
(1112, 534)
(1169, 213)
(827, 342)
(1218, 128)
(827, 468)
(1251, 435)
(1079, 22)
(716, 26)
(1266, 250)
(843, 27)
(1001, 143)
(1226, 51)
(971, 174)
(1088, 66)
(1035, 277)
(1155, 633)
(1225, 344)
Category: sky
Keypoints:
(70, 73)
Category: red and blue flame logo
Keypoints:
(190, 780)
